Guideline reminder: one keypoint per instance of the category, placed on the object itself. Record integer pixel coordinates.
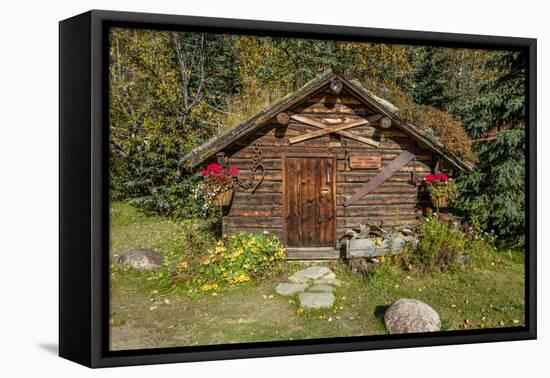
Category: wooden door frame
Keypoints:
(330, 155)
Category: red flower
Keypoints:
(430, 178)
(205, 172)
(234, 171)
(216, 168)
(223, 176)
(443, 177)
(428, 209)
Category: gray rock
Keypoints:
(411, 316)
(140, 259)
(328, 281)
(288, 289)
(329, 276)
(321, 289)
(397, 242)
(311, 273)
(311, 301)
(299, 279)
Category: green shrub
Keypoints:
(480, 245)
(235, 260)
(441, 247)
(481, 253)
(181, 201)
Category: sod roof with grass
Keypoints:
(430, 126)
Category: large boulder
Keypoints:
(411, 316)
(140, 259)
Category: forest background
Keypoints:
(171, 91)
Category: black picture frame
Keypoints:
(84, 199)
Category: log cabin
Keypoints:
(325, 159)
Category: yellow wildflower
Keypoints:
(242, 278)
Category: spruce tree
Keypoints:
(431, 77)
(494, 193)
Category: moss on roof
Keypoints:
(428, 120)
(435, 128)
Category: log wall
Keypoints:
(395, 202)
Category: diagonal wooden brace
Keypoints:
(328, 130)
(313, 122)
(388, 171)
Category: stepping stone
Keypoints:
(288, 289)
(311, 301)
(326, 281)
(321, 289)
(329, 276)
(298, 279)
(312, 273)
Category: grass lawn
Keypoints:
(145, 314)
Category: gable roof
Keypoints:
(260, 119)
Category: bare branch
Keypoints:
(197, 58)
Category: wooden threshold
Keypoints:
(312, 253)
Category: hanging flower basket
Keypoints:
(440, 189)
(440, 202)
(224, 198)
(219, 184)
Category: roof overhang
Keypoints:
(209, 149)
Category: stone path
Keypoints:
(314, 286)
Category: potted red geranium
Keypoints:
(441, 189)
(219, 183)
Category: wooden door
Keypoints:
(309, 201)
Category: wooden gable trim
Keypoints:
(216, 144)
(326, 129)
(254, 122)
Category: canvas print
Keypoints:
(273, 189)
